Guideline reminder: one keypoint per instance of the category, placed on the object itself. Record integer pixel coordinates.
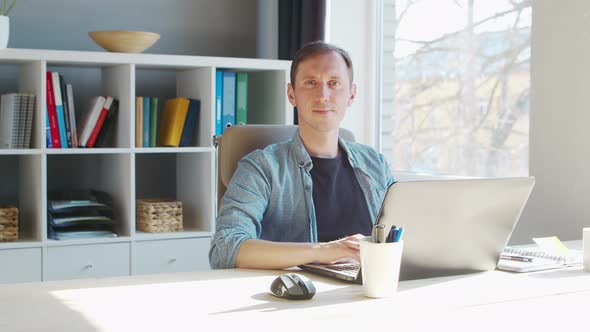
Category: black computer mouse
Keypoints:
(293, 287)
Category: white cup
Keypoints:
(380, 265)
(586, 244)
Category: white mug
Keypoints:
(380, 265)
(586, 244)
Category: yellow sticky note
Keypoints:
(552, 245)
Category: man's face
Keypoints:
(322, 92)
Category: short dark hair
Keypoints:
(317, 48)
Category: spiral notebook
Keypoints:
(530, 260)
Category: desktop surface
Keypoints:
(240, 299)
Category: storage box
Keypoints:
(8, 223)
(158, 215)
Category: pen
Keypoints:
(398, 235)
(391, 235)
(517, 258)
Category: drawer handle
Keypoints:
(172, 261)
(88, 266)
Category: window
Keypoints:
(456, 86)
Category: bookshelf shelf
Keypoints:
(28, 177)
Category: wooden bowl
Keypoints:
(124, 41)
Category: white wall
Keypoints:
(352, 26)
(191, 27)
(560, 117)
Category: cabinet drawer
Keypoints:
(87, 261)
(179, 255)
(20, 265)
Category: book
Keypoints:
(52, 112)
(66, 108)
(21, 112)
(106, 134)
(241, 98)
(99, 122)
(228, 106)
(154, 101)
(173, 120)
(8, 120)
(72, 112)
(218, 101)
(90, 118)
(146, 121)
(190, 123)
(48, 141)
(138, 122)
(59, 109)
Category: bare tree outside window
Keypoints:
(456, 86)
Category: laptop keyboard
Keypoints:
(346, 267)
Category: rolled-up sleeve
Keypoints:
(244, 204)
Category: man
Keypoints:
(310, 199)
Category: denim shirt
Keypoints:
(269, 197)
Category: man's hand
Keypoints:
(339, 251)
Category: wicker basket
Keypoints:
(8, 223)
(159, 215)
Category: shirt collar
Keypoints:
(303, 158)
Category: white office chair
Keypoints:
(238, 141)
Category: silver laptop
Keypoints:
(450, 226)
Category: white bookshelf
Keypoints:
(125, 172)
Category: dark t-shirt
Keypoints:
(340, 206)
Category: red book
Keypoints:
(52, 113)
(99, 122)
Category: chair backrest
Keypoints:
(238, 141)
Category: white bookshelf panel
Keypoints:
(20, 176)
(30, 81)
(188, 178)
(200, 84)
(119, 82)
(110, 173)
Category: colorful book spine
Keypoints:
(146, 122)
(106, 133)
(52, 112)
(190, 123)
(241, 98)
(72, 111)
(173, 122)
(218, 101)
(59, 109)
(62, 85)
(99, 122)
(154, 101)
(47, 130)
(228, 114)
(138, 122)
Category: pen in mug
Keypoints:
(391, 235)
(399, 234)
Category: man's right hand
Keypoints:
(339, 251)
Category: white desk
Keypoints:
(238, 299)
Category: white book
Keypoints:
(96, 105)
(73, 128)
(8, 120)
